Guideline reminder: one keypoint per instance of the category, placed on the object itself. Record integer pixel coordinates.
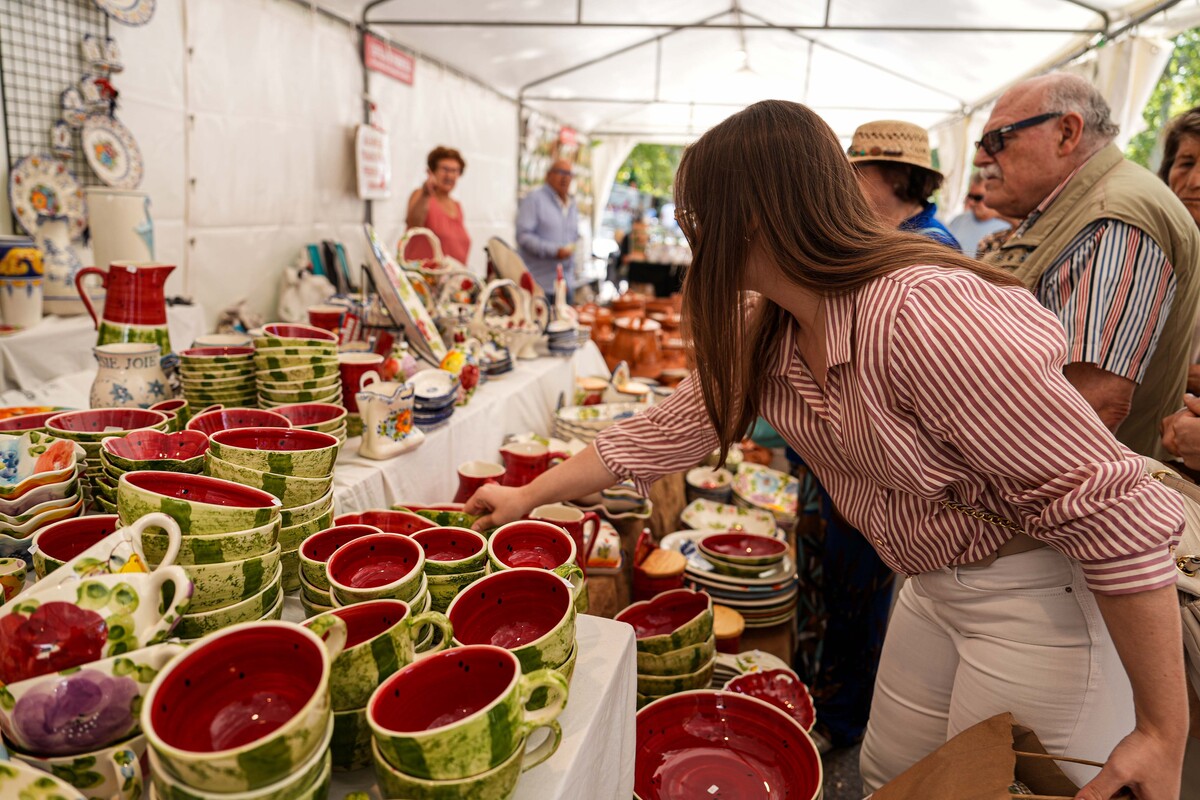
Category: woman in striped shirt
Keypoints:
(918, 384)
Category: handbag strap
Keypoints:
(980, 514)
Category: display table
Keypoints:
(63, 345)
(595, 758)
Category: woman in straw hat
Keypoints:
(926, 392)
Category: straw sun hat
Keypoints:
(892, 140)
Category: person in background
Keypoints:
(431, 206)
(919, 384)
(977, 220)
(895, 170)
(548, 227)
(1103, 244)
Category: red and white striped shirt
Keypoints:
(942, 386)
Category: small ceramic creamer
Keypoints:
(130, 376)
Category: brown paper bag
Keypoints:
(980, 764)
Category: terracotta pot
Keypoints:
(602, 324)
(630, 304)
(636, 342)
(669, 320)
(660, 305)
(674, 354)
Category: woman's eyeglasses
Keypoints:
(687, 223)
(992, 142)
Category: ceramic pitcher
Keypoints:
(135, 309)
(130, 376)
(386, 408)
(61, 263)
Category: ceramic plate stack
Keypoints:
(756, 486)
(230, 546)
(764, 598)
(562, 337)
(90, 428)
(585, 422)
(496, 361)
(212, 375)
(296, 364)
(434, 398)
(710, 483)
(324, 417)
(676, 651)
(148, 450)
(40, 483)
(293, 465)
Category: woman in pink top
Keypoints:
(431, 207)
(917, 384)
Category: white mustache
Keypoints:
(991, 171)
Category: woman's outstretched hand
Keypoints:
(497, 505)
(1149, 766)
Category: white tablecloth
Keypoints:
(60, 346)
(595, 759)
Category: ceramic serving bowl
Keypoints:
(20, 780)
(705, 515)
(291, 537)
(309, 385)
(210, 356)
(301, 333)
(282, 359)
(18, 521)
(683, 661)
(461, 713)
(26, 422)
(706, 743)
(451, 550)
(292, 452)
(291, 490)
(495, 783)
(210, 422)
(33, 460)
(782, 689)
(662, 685)
(325, 417)
(670, 621)
(25, 530)
(378, 565)
(301, 373)
(177, 408)
(82, 708)
(742, 550)
(12, 578)
(200, 504)
(222, 340)
(214, 548)
(351, 746)
(56, 625)
(224, 584)
(41, 494)
(434, 388)
(109, 772)
(60, 542)
(405, 523)
(315, 601)
(244, 707)
(528, 611)
(193, 625)
(97, 424)
(444, 588)
(155, 450)
(291, 517)
(380, 639)
(529, 543)
(317, 548)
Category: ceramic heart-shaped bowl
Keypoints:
(155, 450)
(34, 459)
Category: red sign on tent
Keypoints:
(380, 56)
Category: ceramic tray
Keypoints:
(402, 302)
(708, 516)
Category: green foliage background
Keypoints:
(652, 168)
(1176, 92)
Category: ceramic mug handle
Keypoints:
(544, 750)
(158, 519)
(572, 574)
(374, 378)
(556, 697)
(87, 301)
(591, 520)
(128, 772)
(331, 629)
(439, 621)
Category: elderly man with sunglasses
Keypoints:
(1103, 244)
(547, 228)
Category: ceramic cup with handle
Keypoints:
(353, 366)
(583, 526)
(474, 474)
(375, 566)
(530, 543)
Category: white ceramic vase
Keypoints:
(130, 376)
(121, 227)
(60, 262)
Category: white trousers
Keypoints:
(1022, 635)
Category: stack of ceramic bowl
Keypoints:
(315, 552)
(230, 544)
(496, 359)
(148, 450)
(39, 485)
(455, 724)
(295, 466)
(380, 566)
(296, 364)
(436, 392)
(380, 639)
(676, 651)
(713, 517)
(245, 714)
(217, 375)
(324, 417)
(709, 483)
(562, 337)
(541, 545)
(90, 428)
(454, 559)
(585, 422)
(756, 486)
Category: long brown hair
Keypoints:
(777, 172)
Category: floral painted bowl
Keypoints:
(201, 505)
(782, 689)
(15, 521)
(32, 460)
(387, 520)
(81, 709)
(705, 515)
(54, 626)
(19, 780)
(26, 529)
(153, 450)
(670, 621)
(290, 451)
(314, 416)
(41, 494)
(291, 490)
(210, 422)
(97, 424)
(769, 489)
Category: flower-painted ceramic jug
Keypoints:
(135, 309)
(130, 376)
(61, 263)
(386, 408)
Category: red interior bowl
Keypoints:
(215, 352)
(532, 544)
(744, 545)
(27, 421)
(284, 331)
(374, 560)
(287, 440)
(155, 445)
(443, 688)
(781, 689)
(388, 521)
(705, 743)
(664, 613)
(322, 544)
(448, 544)
(231, 690)
(510, 608)
(167, 406)
(201, 489)
(98, 420)
(365, 621)
(64, 540)
(211, 422)
(310, 413)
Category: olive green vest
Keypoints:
(1109, 187)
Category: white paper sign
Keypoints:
(373, 162)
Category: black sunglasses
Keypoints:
(992, 142)
(978, 198)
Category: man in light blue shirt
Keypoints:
(548, 227)
(977, 221)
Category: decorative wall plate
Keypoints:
(111, 151)
(402, 302)
(130, 12)
(41, 185)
